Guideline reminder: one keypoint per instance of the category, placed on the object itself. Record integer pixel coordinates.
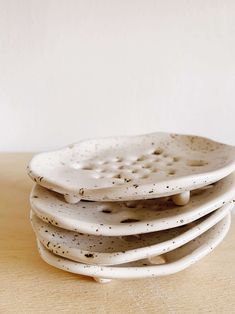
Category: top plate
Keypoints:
(133, 167)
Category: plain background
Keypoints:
(76, 69)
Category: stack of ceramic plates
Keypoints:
(132, 207)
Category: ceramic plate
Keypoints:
(127, 218)
(102, 250)
(174, 261)
(133, 167)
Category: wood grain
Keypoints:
(29, 285)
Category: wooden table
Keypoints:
(29, 285)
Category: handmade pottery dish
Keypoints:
(127, 218)
(133, 167)
(175, 261)
(104, 250)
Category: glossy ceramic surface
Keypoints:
(133, 167)
(127, 218)
(172, 262)
(106, 250)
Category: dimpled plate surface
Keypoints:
(175, 261)
(102, 250)
(131, 217)
(133, 167)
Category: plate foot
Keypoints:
(102, 280)
(182, 198)
(71, 199)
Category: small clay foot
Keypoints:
(157, 260)
(71, 199)
(102, 280)
(182, 198)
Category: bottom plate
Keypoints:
(171, 262)
(104, 250)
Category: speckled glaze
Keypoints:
(170, 262)
(102, 250)
(128, 218)
(134, 167)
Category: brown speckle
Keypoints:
(89, 255)
(106, 211)
(81, 191)
(129, 220)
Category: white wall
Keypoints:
(73, 69)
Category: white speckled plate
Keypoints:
(102, 250)
(133, 167)
(127, 218)
(175, 261)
